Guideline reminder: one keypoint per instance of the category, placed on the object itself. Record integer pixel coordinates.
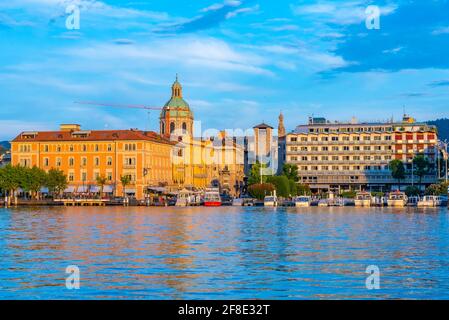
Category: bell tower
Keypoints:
(176, 117)
(281, 128)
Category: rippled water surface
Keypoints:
(223, 253)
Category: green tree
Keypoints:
(260, 190)
(293, 188)
(125, 180)
(56, 181)
(101, 181)
(32, 180)
(254, 174)
(10, 180)
(421, 166)
(281, 185)
(348, 194)
(412, 191)
(437, 189)
(303, 190)
(397, 170)
(290, 171)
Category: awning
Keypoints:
(130, 190)
(82, 189)
(44, 190)
(69, 189)
(108, 189)
(94, 189)
(157, 189)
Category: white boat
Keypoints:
(212, 197)
(323, 203)
(397, 199)
(303, 201)
(270, 201)
(363, 199)
(432, 201)
(237, 202)
(183, 197)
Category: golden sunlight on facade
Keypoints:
(173, 159)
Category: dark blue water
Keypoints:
(223, 253)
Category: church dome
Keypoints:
(176, 106)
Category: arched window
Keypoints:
(172, 127)
(163, 127)
(184, 127)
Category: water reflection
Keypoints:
(229, 252)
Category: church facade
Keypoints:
(200, 162)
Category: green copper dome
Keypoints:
(176, 106)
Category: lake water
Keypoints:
(223, 253)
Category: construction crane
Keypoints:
(115, 105)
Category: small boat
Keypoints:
(270, 201)
(431, 201)
(212, 197)
(303, 201)
(238, 202)
(226, 200)
(183, 197)
(363, 199)
(397, 199)
(323, 203)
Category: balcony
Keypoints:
(129, 166)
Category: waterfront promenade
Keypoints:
(223, 253)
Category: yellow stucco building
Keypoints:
(83, 155)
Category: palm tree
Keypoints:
(125, 180)
(101, 181)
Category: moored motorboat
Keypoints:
(212, 197)
(363, 199)
(323, 203)
(270, 201)
(397, 199)
(303, 201)
(427, 201)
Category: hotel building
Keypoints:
(343, 156)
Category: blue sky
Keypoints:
(240, 61)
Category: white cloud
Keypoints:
(195, 52)
(442, 30)
(234, 13)
(340, 13)
(394, 50)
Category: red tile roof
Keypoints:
(94, 135)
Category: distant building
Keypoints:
(344, 156)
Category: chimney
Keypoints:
(70, 127)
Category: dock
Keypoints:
(82, 202)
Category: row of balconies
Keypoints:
(306, 143)
(348, 162)
(331, 152)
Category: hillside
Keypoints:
(4, 145)
(443, 128)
